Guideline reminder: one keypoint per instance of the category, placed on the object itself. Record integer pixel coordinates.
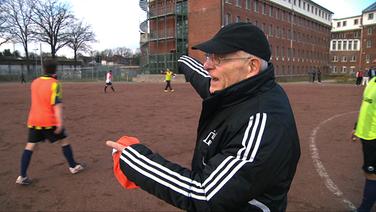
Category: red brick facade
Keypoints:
(368, 47)
(299, 40)
(299, 43)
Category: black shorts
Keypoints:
(40, 135)
(369, 156)
(108, 83)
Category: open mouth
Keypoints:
(214, 79)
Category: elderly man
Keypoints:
(247, 146)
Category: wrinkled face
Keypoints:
(226, 70)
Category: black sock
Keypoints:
(25, 161)
(369, 196)
(68, 153)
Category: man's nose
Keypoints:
(208, 65)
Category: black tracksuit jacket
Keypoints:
(246, 153)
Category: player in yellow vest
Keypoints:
(366, 130)
(168, 77)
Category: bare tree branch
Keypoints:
(17, 22)
(80, 37)
(53, 19)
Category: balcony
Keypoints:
(163, 35)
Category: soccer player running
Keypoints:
(109, 81)
(45, 120)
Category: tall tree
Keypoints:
(123, 51)
(3, 35)
(53, 19)
(18, 21)
(80, 37)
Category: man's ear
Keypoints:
(254, 65)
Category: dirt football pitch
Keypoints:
(328, 178)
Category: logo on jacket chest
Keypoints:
(210, 137)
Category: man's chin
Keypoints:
(214, 90)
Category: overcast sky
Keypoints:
(116, 22)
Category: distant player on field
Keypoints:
(109, 81)
(168, 77)
(45, 120)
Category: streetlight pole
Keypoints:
(35, 68)
(41, 58)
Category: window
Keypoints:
(335, 59)
(344, 45)
(369, 43)
(271, 11)
(228, 19)
(356, 34)
(353, 58)
(264, 29)
(369, 31)
(355, 45)
(370, 16)
(334, 44)
(263, 8)
(344, 69)
(344, 59)
(339, 46)
(368, 58)
(356, 21)
(255, 6)
(344, 23)
(248, 4)
(238, 3)
(350, 45)
(237, 19)
(278, 33)
(334, 69)
(338, 24)
(227, 1)
(271, 30)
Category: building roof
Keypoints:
(370, 8)
(312, 2)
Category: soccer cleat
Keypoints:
(23, 180)
(76, 169)
(165, 91)
(172, 90)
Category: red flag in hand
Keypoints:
(123, 180)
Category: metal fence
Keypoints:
(68, 73)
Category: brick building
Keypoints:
(353, 42)
(164, 34)
(298, 30)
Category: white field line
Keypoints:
(319, 166)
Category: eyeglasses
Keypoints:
(216, 60)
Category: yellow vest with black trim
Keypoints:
(366, 126)
(168, 75)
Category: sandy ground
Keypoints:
(167, 123)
